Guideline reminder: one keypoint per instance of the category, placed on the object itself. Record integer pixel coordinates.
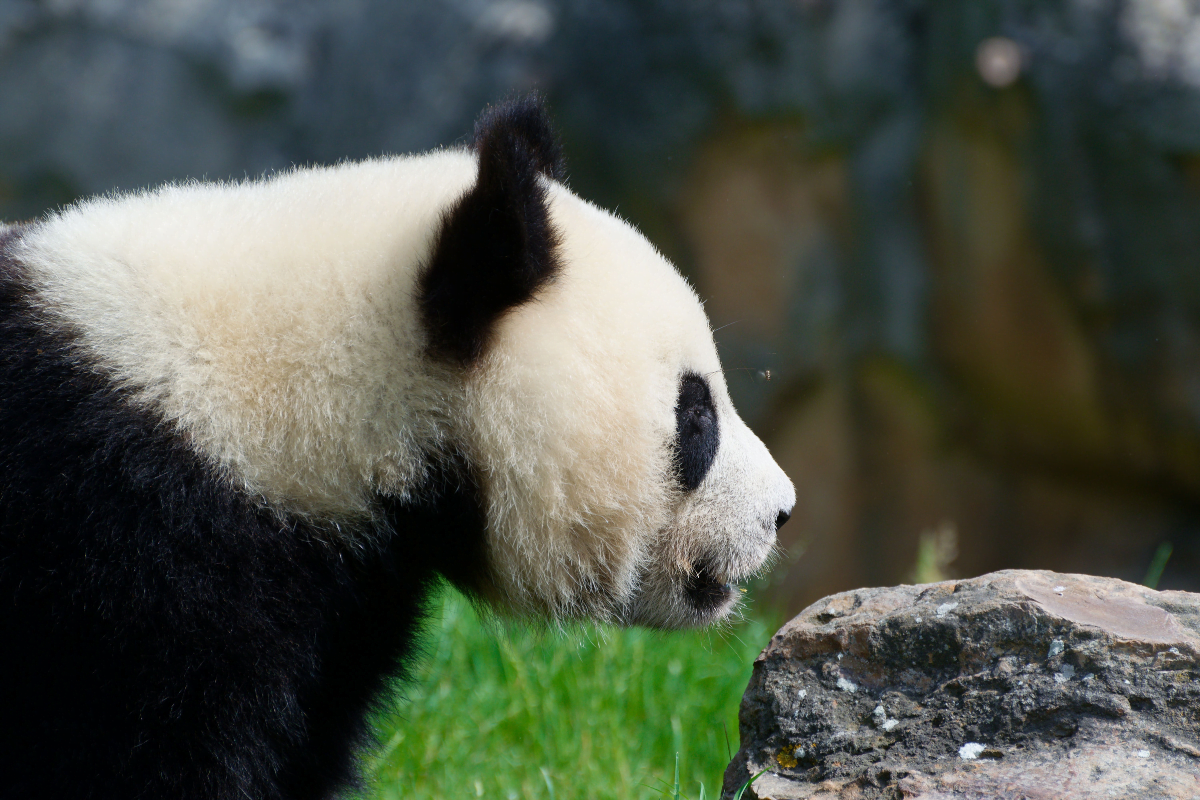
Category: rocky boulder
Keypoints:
(1016, 684)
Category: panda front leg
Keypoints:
(242, 665)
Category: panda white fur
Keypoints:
(245, 429)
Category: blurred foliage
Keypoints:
(502, 711)
(936, 551)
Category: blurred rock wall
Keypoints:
(961, 239)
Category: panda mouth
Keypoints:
(705, 590)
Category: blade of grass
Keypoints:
(746, 785)
(1157, 564)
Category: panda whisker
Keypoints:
(726, 325)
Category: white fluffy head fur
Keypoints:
(273, 323)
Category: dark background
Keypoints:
(961, 236)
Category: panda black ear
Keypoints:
(496, 248)
(527, 121)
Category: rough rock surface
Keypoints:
(1017, 684)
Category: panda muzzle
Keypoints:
(706, 590)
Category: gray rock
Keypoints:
(1017, 684)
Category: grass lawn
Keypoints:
(501, 711)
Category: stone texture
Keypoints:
(1016, 684)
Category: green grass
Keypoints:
(502, 711)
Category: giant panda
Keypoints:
(246, 428)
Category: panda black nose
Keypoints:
(783, 517)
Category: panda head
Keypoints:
(616, 478)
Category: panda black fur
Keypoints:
(245, 429)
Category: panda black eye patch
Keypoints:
(697, 433)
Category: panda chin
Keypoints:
(674, 601)
(706, 592)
